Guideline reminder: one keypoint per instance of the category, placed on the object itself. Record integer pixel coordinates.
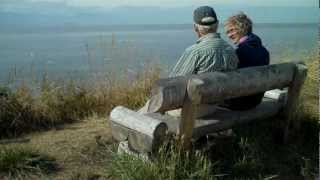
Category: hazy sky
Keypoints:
(164, 3)
(97, 12)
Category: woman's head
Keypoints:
(237, 26)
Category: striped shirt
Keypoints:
(210, 53)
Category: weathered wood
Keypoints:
(119, 132)
(225, 119)
(280, 95)
(188, 113)
(218, 86)
(143, 133)
(190, 92)
(123, 148)
(168, 94)
(171, 121)
(290, 110)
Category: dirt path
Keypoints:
(80, 148)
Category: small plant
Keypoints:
(170, 163)
(15, 161)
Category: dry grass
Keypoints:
(310, 91)
(24, 110)
(79, 149)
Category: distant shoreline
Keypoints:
(128, 27)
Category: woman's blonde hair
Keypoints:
(242, 23)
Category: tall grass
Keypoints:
(23, 110)
(171, 163)
(21, 161)
(310, 92)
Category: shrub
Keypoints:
(170, 163)
(15, 161)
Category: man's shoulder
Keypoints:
(216, 44)
(192, 50)
(211, 46)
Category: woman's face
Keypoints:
(232, 33)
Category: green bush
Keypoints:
(16, 161)
(170, 163)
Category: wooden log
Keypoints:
(280, 95)
(224, 119)
(218, 86)
(168, 94)
(123, 148)
(144, 133)
(171, 121)
(119, 132)
(188, 114)
(290, 110)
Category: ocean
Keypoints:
(80, 52)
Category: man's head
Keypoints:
(205, 20)
(237, 26)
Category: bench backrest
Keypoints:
(170, 93)
(189, 92)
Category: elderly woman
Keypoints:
(250, 52)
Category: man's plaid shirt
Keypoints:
(210, 53)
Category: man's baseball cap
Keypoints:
(204, 15)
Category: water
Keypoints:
(78, 52)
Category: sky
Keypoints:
(160, 3)
(103, 12)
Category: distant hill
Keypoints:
(70, 16)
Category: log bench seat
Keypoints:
(143, 133)
(223, 119)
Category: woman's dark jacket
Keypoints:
(250, 52)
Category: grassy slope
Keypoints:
(79, 149)
(82, 149)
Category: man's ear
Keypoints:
(195, 28)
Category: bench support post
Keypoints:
(290, 110)
(189, 113)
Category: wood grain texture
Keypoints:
(218, 86)
(169, 94)
(290, 109)
(143, 132)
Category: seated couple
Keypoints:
(211, 53)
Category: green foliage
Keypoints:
(16, 161)
(170, 163)
(256, 151)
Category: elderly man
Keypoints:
(210, 53)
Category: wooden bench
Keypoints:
(145, 132)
